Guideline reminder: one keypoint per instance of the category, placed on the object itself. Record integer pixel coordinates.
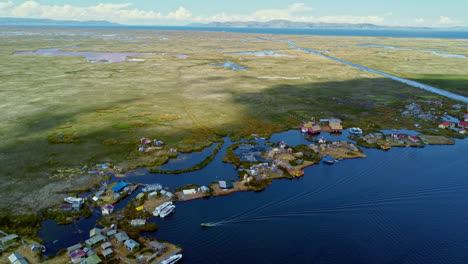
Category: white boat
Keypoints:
(158, 209)
(166, 211)
(73, 200)
(172, 259)
(304, 130)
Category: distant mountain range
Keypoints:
(307, 25)
(10, 21)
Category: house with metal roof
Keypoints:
(93, 259)
(107, 209)
(119, 186)
(157, 246)
(121, 237)
(95, 240)
(77, 256)
(95, 231)
(225, 185)
(106, 245)
(8, 240)
(108, 253)
(204, 189)
(17, 258)
(74, 247)
(131, 245)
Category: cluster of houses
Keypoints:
(455, 124)
(263, 170)
(416, 110)
(336, 144)
(106, 243)
(148, 145)
(326, 125)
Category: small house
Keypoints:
(157, 246)
(95, 240)
(465, 117)
(119, 186)
(131, 245)
(140, 195)
(463, 124)
(106, 245)
(74, 247)
(335, 125)
(108, 253)
(8, 240)
(446, 124)
(110, 232)
(93, 259)
(121, 237)
(140, 208)
(77, 256)
(225, 185)
(169, 195)
(17, 258)
(94, 231)
(204, 189)
(153, 194)
(107, 209)
(189, 191)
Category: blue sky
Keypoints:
(180, 12)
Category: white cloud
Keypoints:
(446, 20)
(124, 13)
(419, 20)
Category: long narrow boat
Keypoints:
(172, 259)
(209, 224)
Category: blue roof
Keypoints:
(119, 186)
(328, 159)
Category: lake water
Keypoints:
(406, 205)
(323, 32)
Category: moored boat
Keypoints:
(159, 209)
(172, 259)
(166, 211)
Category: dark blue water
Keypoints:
(406, 205)
(323, 32)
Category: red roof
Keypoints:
(463, 124)
(445, 123)
(108, 207)
(414, 138)
(77, 254)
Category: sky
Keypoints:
(428, 13)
